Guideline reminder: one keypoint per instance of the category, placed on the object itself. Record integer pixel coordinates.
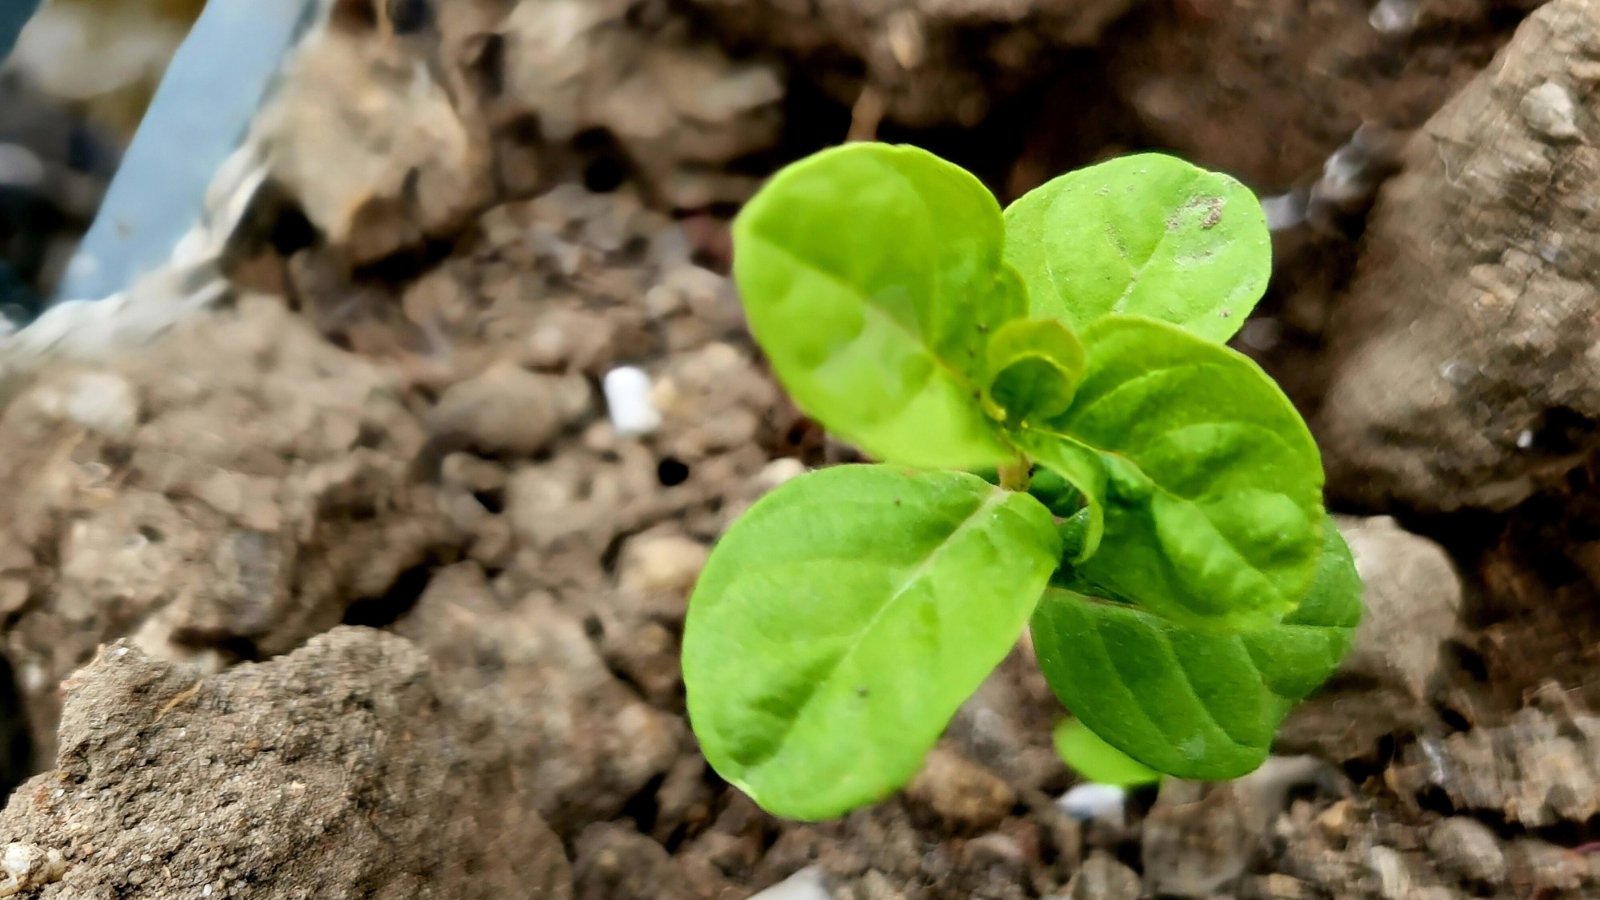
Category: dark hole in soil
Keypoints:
(607, 166)
(290, 231)
(671, 471)
(493, 500)
(644, 807)
(408, 265)
(1434, 799)
(1362, 769)
(401, 598)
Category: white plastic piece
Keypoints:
(627, 390)
(1092, 802)
(806, 884)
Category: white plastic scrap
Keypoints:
(627, 390)
(806, 884)
(1091, 802)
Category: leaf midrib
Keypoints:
(995, 498)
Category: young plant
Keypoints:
(1067, 448)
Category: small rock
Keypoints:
(27, 867)
(962, 794)
(778, 471)
(1199, 838)
(1548, 109)
(661, 562)
(1411, 599)
(102, 402)
(509, 410)
(1103, 878)
(614, 862)
(1543, 869)
(1411, 596)
(1468, 849)
(1393, 873)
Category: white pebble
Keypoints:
(1394, 17)
(627, 390)
(1089, 802)
(806, 884)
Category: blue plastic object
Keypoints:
(199, 116)
(13, 15)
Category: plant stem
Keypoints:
(1015, 476)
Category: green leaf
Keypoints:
(1035, 365)
(1145, 235)
(1206, 481)
(1097, 761)
(1189, 703)
(841, 622)
(871, 275)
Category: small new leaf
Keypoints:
(1097, 761)
(1146, 235)
(1035, 365)
(1189, 703)
(871, 276)
(841, 622)
(1205, 486)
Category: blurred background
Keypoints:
(350, 495)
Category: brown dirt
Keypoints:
(378, 538)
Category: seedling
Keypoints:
(1067, 448)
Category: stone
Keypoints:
(661, 561)
(29, 867)
(264, 486)
(509, 411)
(961, 794)
(615, 862)
(1466, 848)
(1463, 365)
(1200, 838)
(1411, 601)
(342, 769)
(1103, 878)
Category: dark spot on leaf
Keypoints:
(861, 691)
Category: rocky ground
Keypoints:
(352, 587)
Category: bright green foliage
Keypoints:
(1212, 497)
(1097, 761)
(1035, 366)
(1159, 483)
(1190, 703)
(837, 629)
(1146, 235)
(871, 275)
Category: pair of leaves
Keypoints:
(1190, 703)
(841, 622)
